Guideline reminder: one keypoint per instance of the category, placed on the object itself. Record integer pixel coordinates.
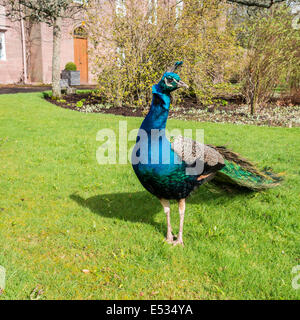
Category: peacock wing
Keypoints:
(191, 151)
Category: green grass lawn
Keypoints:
(61, 212)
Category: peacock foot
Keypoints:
(178, 242)
(170, 238)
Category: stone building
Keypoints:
(26, 50)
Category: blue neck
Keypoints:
(159, 110)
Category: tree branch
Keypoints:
(256, 3)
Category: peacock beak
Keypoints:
(181, 84)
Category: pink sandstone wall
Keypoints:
(11, 69)
(35, 67)
(40, 65)
(41, 51)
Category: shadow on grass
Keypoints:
(134, 207)
(141, 206)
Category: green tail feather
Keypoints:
(243, 173)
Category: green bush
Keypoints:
(71, 66)
(79, 104)
(47, 94)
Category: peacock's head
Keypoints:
(171, 80)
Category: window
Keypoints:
(152, 5)
(80, 32)
(179, 8)
(2, 46)
(121, 7)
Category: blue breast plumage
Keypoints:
(159, 169)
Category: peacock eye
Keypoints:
(170, 80)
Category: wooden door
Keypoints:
(81, 58)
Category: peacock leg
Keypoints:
(166, 205)
(181, 205)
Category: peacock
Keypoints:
(172, 170)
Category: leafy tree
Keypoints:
(51, 12)
(133, 47)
